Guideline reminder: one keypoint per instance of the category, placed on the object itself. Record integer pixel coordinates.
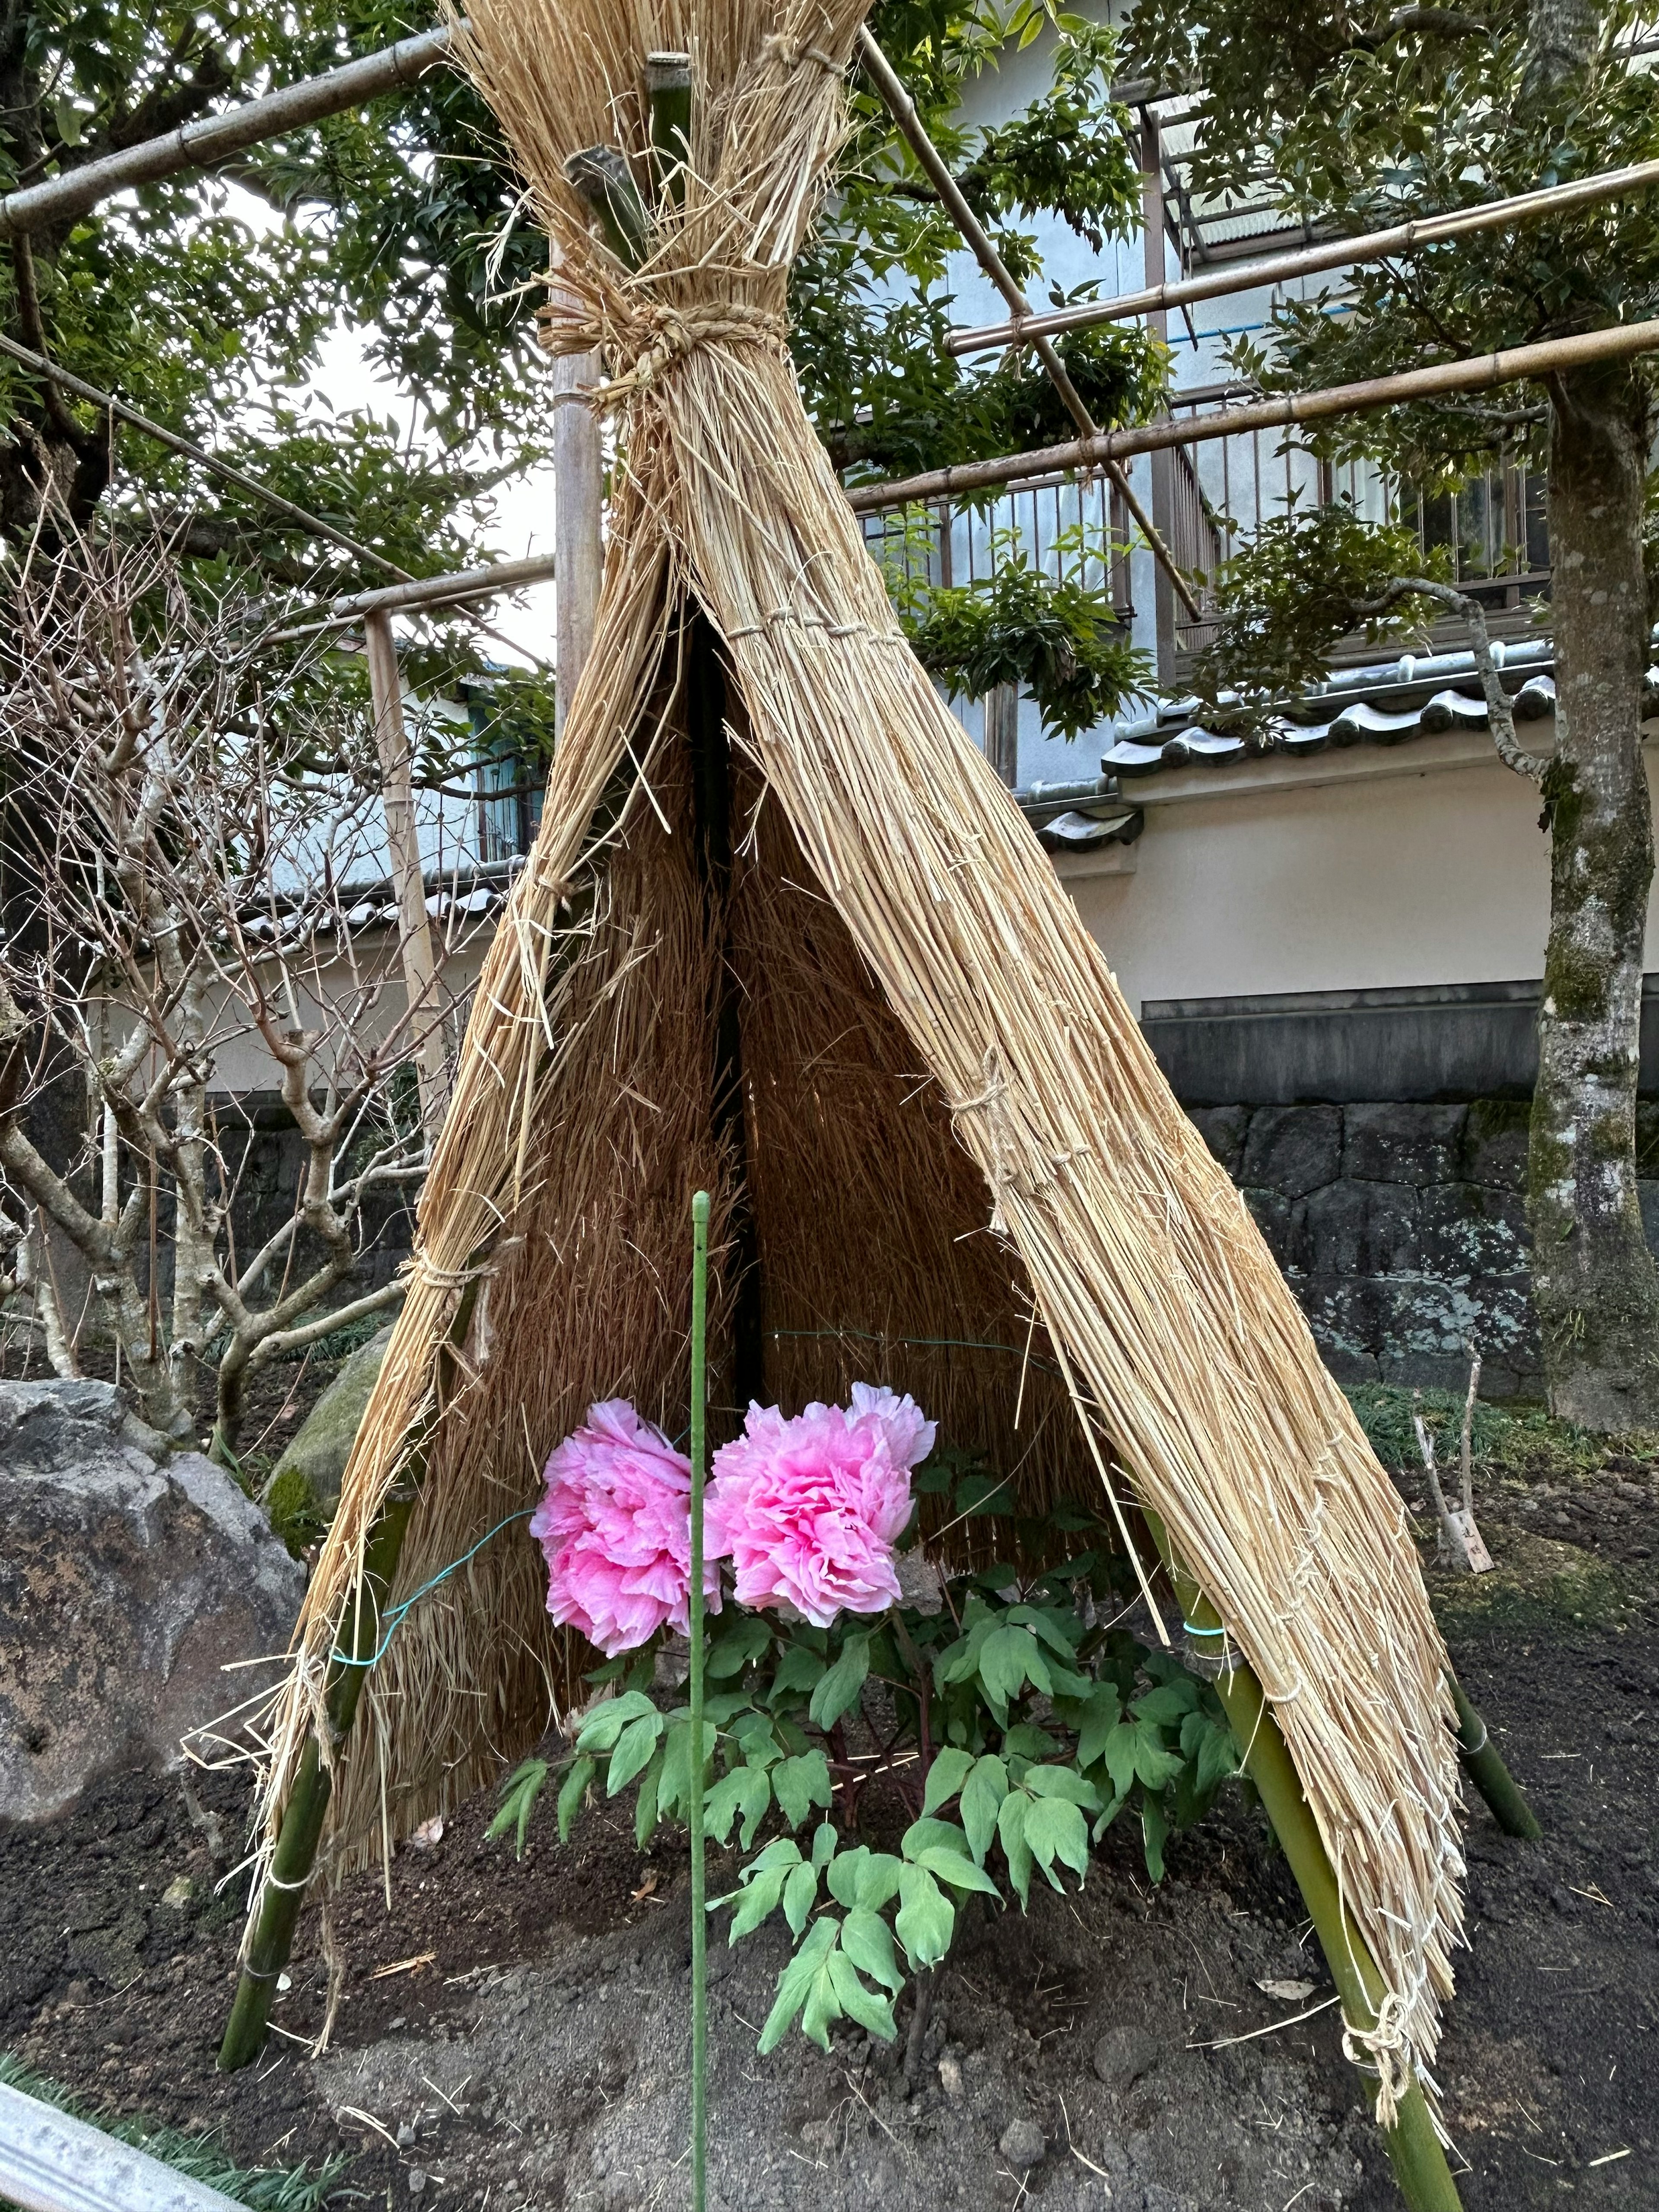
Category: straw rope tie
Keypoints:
(656, 336)
(814, 622)
(788, 55)
(1383, 2046)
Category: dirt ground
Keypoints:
(514, 2035)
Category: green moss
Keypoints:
(295, 1511)
(1538, 1584)
(1564, 802)
(1497, 1118)
(1576, 983)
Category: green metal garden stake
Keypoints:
(699, 1944)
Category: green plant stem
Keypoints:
(1487, 1769)
(1419, 2161)
(295, 1855)
(699, 1927)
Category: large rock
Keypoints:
(305, 1483)
(130, 1579)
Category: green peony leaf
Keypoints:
(838, 1691)
(645, 1808)
(1055, 1829)
(733, 1647)
(795, 1982)
(868, 1941)
(925, 1917)
(799, 1783)
(1104, 1710)
(574, 1790)
(982, 1800)
(634, 1747)
(1153, 1830)
(1011, 1833)
(864, 1879)
(1119, 1752)
(948, 1771)
(959, 1871)
(800, 1894)
(600, 1731)
(920, 1834)
(1061, 1781)
(873, 2013)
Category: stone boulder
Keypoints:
(130, 1578)
(305, 1483)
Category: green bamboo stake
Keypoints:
(668, 95)
(1487, 1769)
(295, 1855)
(1419, 2160)
(699, 1929)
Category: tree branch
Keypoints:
(1500, 712)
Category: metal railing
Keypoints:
(1073, 524)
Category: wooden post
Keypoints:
(414, 930)
(578, 504)
(1002, 730)
(1158, 325)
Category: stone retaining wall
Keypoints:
(1402, 1231)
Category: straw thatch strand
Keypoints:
(953, 1122)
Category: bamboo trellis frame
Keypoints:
(1309, 261)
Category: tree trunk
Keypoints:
(1594, 1283)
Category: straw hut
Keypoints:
(784, 934)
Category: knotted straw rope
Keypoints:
(1178, 1340)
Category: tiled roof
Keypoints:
(1386, 704)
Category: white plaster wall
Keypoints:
(1438, 874)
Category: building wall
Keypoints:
(1378, 867)
(1336, 962)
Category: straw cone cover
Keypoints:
(1181, 1357)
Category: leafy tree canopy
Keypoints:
(403, 221)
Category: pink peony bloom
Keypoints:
(808, 1511)
(616, 1528)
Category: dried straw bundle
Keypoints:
(585, 1083)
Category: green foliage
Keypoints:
(1010, 1726)
(867, 298)
(1055, 638)
(262, 2188)
(1520, 1440)
(1309, 577)
(519, 1802)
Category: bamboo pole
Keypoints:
(1487, 1769)
(1619, 342)
(214, 138)
(1310, 260)
(357, 1647)
(693, 1811)
(414, 926)
(903, 109)
(1419, 2160)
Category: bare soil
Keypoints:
(513, 2034)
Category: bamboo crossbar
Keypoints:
(214, 138)
(1617, 343)
(1307, 261)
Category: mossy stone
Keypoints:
(316, 1455)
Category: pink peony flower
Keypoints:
(616, 1528)
(809, 1509)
